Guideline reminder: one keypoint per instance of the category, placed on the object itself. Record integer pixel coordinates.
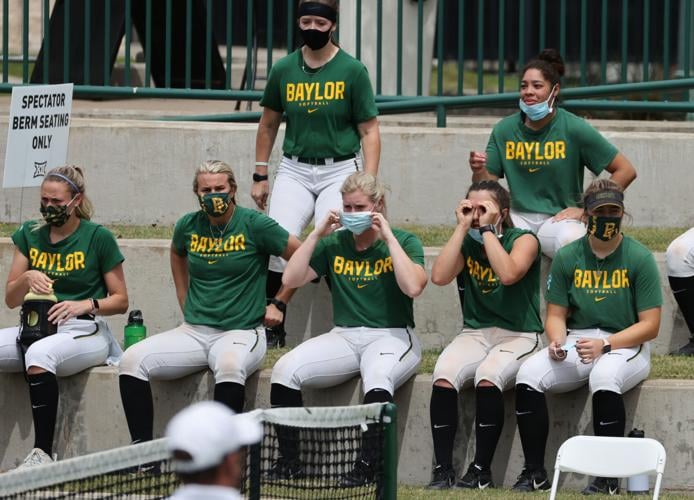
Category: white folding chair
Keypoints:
(610, 457)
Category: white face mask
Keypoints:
(536, 112)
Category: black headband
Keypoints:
(317, 9)
(595, 200)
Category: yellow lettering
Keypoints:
(529, 146)
(319, 96)
(59, 267)
(560, 150)
(41, 261)
(549, 151)
(70, 262)
(587, 282)
(51, 260)
(577, 278)
(290, 92)
(368, 269)
(229, 244)
(378, 267)
(360, 267)
(616, 279)
(339, 90)
(79, 260)
(33, 253)
(300, 92)
(520, 151)
(349, 267)
(193, 242)
(338, 264)
(625, 278)
(388, 265)
(510, 150)
(329, 91)
(240, 242)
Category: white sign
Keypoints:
(37, 133)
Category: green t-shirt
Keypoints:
(227, 268)
(364, 289)
(545, 168)
(77, 263)
(604, 293)
(323, 108)
(488, 303)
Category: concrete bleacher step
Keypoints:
(90, 418)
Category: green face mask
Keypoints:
(604, 228)
(214, 204)
(56, 215)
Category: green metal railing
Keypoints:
(477, 49)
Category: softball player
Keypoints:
(542, 151)
(501, 326)
(375, 273)
(327, 99)
(80, 263)
(680, 269)
(603, 306)
(219, 258)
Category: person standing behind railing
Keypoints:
(330, 110)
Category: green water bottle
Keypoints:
(135, 330)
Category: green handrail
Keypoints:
(646, 37)
(107, 42)
(390, 458)
(167, 43)
(480, 46)
(502, 44)
(189, 42)
(128, 41)
(461, 45)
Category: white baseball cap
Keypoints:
(208, 431)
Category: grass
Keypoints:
(490, 80)
(414, 493)
(655, 238)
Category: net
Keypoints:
(328, 452)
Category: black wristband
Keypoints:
(259, 178)
(486, 228)
(279, 304)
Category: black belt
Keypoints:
(320, 161)
(89, 317)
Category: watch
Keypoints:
(487, 228)
(606, 346)
(95, 306)
(259, 178)
(279, 304)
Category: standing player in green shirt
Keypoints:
(375, 272)
(80, 263)
(501, 266)
(219, 257)
(603, 307)
(331, 130)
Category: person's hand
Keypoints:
(489, 213)
(259, 193)
(569, 213)
(273, 316)
(589, 349)
(478, 161)
(463, 214)
(39, 282)
(381, 226)
(329, 224)
(63, 311)
(556, 352)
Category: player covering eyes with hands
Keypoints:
(603, 307)
(501, 326)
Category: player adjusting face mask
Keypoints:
(356, 222)
(477, 236)
(604, 228)
(536, 112)
(56, 215)
(214, 204)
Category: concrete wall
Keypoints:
(90, 418)
(437, 310)
(140, 172)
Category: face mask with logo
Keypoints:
(56, 215)
(536, 112)
(356, 222)
(214, 204)
(315, 39)
(604, 228)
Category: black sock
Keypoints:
(43, 393)
(489, 422)
(609, 416)
(370, 445)
(443, 413)
(461, 290)
(231, 394)
(287, 437)
(533, 424)
(683, 291)
(136, 396)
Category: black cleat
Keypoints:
(476, 478)
(286, 468)
(687, 350)
(275, 336)
(602, 486)
(532, 480)
(442, 478)
(361, 474)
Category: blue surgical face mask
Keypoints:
(476, 235)
(536, 112)
(356, 222)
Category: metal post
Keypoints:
(390, 458)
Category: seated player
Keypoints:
(680, 272)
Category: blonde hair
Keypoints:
(85, 209)
(215, 167)
(368, 184)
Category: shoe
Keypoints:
(275, 337)
(476, 478)
(687, 350)
(36, 457)
(602, 486)
(532, 480)
(442, 478)
(361, 474)
(286, 469)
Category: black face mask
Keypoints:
(315, 39)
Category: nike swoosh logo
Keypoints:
(537, 485)
(533, 170)
(612, 491)
(599, 299)
(312, 110)
(504, 350)
(486, 291)
(519, 413)
(385, 353)
(32, 384)
(608, 423)
(486, 425)
(436, 426)
(482, 486)
(461, 288)
(38, 406)
(360, 286)
(212, 261)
